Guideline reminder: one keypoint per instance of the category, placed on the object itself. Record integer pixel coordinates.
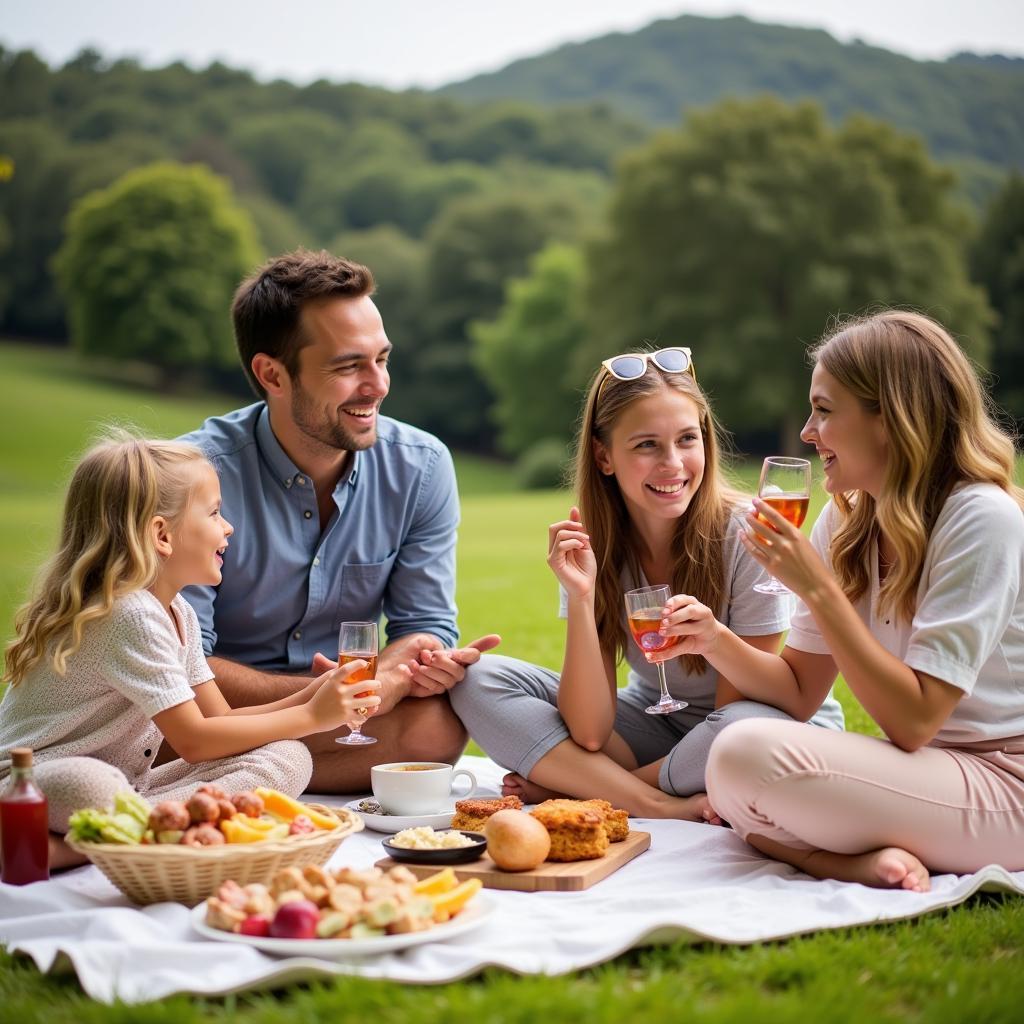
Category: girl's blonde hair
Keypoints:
(940, 432)
(700, 531)
(106, 546)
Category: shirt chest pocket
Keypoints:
(361, 594)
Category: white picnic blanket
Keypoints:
(697, 882)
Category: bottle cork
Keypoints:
(21, 757)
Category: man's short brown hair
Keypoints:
(267, 305)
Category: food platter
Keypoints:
(475, 914)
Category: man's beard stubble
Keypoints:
(323, 431)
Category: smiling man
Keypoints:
(340, 514)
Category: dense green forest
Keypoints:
(439, 197)
(969, 109)
(492, 224)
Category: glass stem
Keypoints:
(662, 681)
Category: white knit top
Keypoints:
(131, 666)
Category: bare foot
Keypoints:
(887, 868)
(706, 811)
(897, 868)
(685, 808)
(529, 792)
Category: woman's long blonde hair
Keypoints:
(939, 431)
(106, 547)
(700, 531)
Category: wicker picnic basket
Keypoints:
(188, 874)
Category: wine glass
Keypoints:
(358, 641)
(644, 612)
(786, 487)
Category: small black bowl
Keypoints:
(456, 855)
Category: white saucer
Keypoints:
(392, 823)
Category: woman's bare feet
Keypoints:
(529, 792)
(660, 805)
(885, 868)
(897, 869)
(685, 808)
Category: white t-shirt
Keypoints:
(968, 629)
(745, 611)
(131, 666)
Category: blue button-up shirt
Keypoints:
(389, 546)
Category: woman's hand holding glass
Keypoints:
(571, 557)
(783, 550)
(690, 625)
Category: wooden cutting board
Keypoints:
(550, 876)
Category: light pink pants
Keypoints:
(956, 809)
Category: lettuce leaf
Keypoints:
(129, 802)
(126, 825)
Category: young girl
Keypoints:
(107, 659)
(653, 508)
(911, 586)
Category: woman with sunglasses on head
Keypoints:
(653, 508)
(911, 586)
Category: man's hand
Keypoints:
(437, 670)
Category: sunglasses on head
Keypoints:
(633, 365)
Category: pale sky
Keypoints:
(400, 43)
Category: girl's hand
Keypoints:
(336, 701)
(782, 550)
(691, 624)
(570, 555)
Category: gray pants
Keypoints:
(510, 708)
(74, 782)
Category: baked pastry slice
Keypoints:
(577, 832)
(472, 815)
(616, 820)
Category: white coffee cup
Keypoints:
(416, 787)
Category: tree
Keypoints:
(528, 353)
(48, 175)
(282, 147)
(743, 234)
(397, 264)
(473, 248)
(149, 266)
(998, 264)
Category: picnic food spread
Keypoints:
(589, 840)
(312, 903)
(577, 829)
(208, 818)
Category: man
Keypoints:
(339, 514)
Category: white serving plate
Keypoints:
(479, 910)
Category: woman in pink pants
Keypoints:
(911, 586)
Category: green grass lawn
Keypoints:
(966, 964)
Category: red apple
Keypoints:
(301, 825)
(255, 924)
(296, 919)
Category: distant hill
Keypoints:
(969, 107)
